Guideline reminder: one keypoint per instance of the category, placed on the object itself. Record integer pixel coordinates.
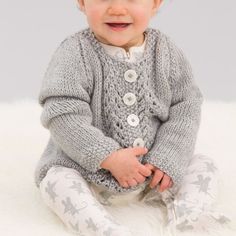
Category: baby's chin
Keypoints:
(118, 40)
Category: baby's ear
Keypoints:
(157, 4)
(80, 4)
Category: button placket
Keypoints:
(129, 99)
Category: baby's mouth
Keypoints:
(118, 25)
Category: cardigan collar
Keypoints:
(152, 36)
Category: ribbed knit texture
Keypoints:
(83, 108)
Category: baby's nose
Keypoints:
(117, 8)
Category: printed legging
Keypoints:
(79, 204)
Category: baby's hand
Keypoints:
(159, 177)
(125, 167)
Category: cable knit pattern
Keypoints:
(82, 96)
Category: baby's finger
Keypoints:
(125, 185)
(139, 178)
(164, 183)
(144, 170)
(156, 178)
(132, 182)
(150, 167)
(138, 151)
(170, 184)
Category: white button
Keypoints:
(138, 142)
(133, 120)
(130, 76)
(129, 99)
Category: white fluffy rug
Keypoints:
(23, 139)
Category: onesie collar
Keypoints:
(120, 53)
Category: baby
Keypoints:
(123, 111)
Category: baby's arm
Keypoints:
(65, 98)
(175, 139)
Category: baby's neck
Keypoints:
(127, 48)
(138, 44)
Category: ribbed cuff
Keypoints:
(173, 166)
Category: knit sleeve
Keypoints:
(65, 96)
(175, 139)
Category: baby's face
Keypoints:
(103, 16)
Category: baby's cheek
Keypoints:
(142, 17)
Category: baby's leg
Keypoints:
(191, 205)
(67, 194)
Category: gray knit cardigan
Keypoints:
(82, 96)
